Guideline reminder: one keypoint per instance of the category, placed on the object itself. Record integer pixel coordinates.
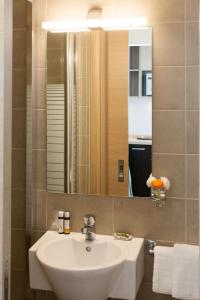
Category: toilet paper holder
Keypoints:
(150, 245)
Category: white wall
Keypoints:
(140, 116)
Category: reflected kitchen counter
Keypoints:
(140, 140)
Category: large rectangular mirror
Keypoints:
(99, 112)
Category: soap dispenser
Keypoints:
(61, 222)
(67, 222)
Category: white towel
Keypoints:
(186, 272)
(163, 269)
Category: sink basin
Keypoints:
(76, 269)
(83, 270)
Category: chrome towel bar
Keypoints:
(150, 245)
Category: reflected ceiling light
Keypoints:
(88, 24)
(68, 30)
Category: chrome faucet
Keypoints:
(89, 227)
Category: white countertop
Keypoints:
(137, 141)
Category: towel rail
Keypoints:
(150, 245)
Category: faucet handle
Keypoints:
(89, 220)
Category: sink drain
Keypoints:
(88, 249)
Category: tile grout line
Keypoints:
(46, 210)
(46, 197)
(175, 154)
(199, 138)
(185, 28)
(113, 215)
(174, 110)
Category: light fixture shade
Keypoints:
(87, 24)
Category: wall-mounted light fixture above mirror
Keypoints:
(94, 20)
(90, 24)
(99, 112)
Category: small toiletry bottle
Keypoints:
(61, 222)
(67, 222)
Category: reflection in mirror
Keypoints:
(140, 110)
(99, 112)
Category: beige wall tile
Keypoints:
(168, 44)
(192, 87)
(165, 11)
(162, 11)
(192, 134)
(39, 295)
(39, 129)
(19, 128)
(55, 61)
(168, 91)
(29, 14)
(50, 296)
(18, 209)
(39, 210)
(19, 88)
(39, 91)
(39, 170)
(192, 43)
(173, 167)
(17, 285)
(58, 79)
(192, 221)
(2, 15)
(18, 249)
(18, 204)
(148, 267)
(39, 10)
(63, 9)
(39, 48)
(133, 8)
(56, 41)
(19, 48)
(18, 169)
(35, 235)
(139, 217)
(29, 57)
(192, 10)
(192, 179)
(19, 15)
(1, 56)
(102, 209)
(155, 10)
(169, 132)
(79, 206)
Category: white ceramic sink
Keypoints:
(76, 269)
(83, 270)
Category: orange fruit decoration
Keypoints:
(157, 184)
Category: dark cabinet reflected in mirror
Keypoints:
(99, 112)
(140, 110)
